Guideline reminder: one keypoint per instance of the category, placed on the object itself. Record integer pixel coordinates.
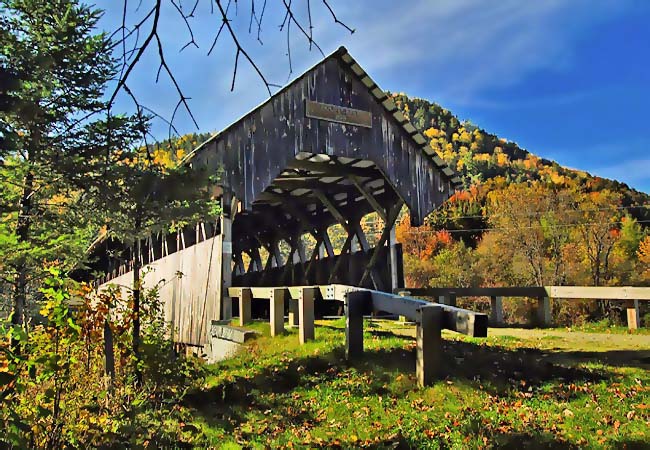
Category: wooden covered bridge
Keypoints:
(329, 148)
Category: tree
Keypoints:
(141, 195)
(643, 258)
(453, 267)
(631, 236)
(533, 221)
(419, 245)
(55, 68)
(597, 230)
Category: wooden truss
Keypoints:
(312, 194)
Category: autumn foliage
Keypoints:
(522, 220)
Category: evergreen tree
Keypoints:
(54, 67)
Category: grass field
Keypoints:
(516, 389)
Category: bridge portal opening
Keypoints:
(285, 238)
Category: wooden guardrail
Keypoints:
(430, 318)
(631, 295)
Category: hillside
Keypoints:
(479, 156)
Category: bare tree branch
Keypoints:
(132, 48)
(187, 24)
(336, 20)
(134, 61)
(241, 50)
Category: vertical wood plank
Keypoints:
(429, 344)
(394, 273)
(496, 310)
(633, 316)
(225, 303)
(277, 311)
(306, 313)
(355, 303)
(245, 303)
(544, 311)
(294, 320)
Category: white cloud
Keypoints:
(469, 45)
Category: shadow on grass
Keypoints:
(532, 440)
(268, 389)
(505, 370)
(226, 404)
(618, 358)
(543, 440)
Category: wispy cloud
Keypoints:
(468, 45)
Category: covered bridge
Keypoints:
(329, 148)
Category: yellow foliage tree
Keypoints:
(432, 133)
(644, 258)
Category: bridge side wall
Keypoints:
(190, 287)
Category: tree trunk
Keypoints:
(22, 231)
(136, 310)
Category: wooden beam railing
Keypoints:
(631, 295)
(430, 318)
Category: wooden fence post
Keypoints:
(496, 310)
(403, 319)
(277, 311)
(225, 302)
(429, 344)
(544, 311)
(354, 307)
(306, 314)
(392, 243)
(245, 305)
(293, 312)
(633, 316)
(450, 299)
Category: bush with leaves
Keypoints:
(54, 393)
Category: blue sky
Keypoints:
(567, 80)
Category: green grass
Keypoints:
(604, 326)
(516, 390)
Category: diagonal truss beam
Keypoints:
(369, 197)
(393, 213)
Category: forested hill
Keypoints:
(483, 158)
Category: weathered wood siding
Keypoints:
(255, 149)
(190, 286)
